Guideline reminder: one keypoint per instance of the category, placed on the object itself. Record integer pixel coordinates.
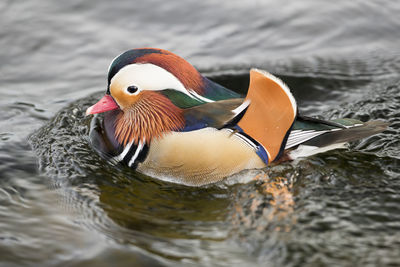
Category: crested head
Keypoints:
(151, 86)
(160, 67)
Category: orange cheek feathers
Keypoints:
(152, 115)
(123, 99)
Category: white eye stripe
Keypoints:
(148, 77)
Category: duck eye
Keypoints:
(132, 89)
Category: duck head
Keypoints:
(149, 88)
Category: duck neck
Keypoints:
(151, 117)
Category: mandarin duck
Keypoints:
(164, 119)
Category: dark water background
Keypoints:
(61, 205)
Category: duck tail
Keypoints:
(335, 138)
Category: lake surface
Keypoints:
(62, 205)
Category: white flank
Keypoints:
(248, 142)
(245, 140)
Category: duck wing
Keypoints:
(216, 114)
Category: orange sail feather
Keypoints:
(271, 112)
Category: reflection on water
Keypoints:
(268, 208)
(341, 208)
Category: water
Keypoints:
(62, 205)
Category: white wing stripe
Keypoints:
(240, 108)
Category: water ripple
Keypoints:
(340, 59)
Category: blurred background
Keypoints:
(62, 205)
